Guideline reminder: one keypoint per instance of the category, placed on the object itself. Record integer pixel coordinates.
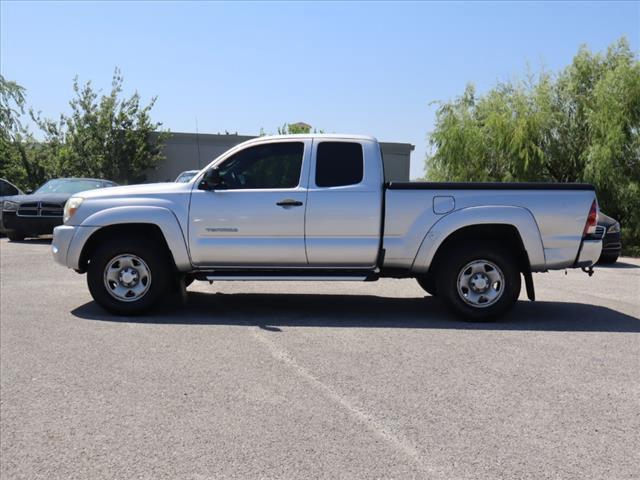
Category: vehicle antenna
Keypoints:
(198, 144)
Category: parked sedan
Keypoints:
(7, 189)
(611, 243)
(38, 213)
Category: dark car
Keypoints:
(611, 243)
(38, 213)
(7, 189)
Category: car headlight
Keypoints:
(8, 206)
(615, 228)
(71, 207)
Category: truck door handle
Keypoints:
(289, 203)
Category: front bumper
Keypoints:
(611, 243)
(62, 238)
(29, 225)
(68, 242)
(589, 253)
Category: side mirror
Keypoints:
(28, 191)
(212, 180)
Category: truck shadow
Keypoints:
(617, 265)
(272, 311)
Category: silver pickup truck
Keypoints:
(316, 207)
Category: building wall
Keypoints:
(185, 151)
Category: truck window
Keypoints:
(273, 165)
(339, 164)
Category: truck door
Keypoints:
(256, 217)
(344, 204)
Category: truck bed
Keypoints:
(487, 186)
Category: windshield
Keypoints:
(184, 177)
(69, 186)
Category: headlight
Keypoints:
(615, 228)
(8, 206)
(71, 207)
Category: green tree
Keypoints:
(107, 136)
(18, 149)
(582, 124)
(292, 128)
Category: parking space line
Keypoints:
(396, 441)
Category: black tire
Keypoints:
(156, 260)
(608, 258)
(428, 284)
(461, 256)
(15, 236)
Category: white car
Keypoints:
(187, 175)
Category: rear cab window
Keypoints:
(339, 164)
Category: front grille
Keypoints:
(51, 209)
(28, 209)
(600, 231)
(40, 209)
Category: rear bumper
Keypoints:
(589, 253)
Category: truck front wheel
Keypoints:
(428, 284)
(479, 282)
(127, 277)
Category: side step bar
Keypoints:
(289, 275)
(288, 278)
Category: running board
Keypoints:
(289, 275)
(287, 278)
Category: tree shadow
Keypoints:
(271, 311)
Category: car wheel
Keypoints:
(608, 258)
(127, 277)
(479, 282)
(15, 237)
(428, 284)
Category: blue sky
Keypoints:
(369, 68)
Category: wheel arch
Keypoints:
(157, 224)
(149, 231)
(513, 227)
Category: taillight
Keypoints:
(592, 220)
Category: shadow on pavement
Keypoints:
(273, 310)
(618, 264)
(34, 241)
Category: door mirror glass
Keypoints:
(212, 180)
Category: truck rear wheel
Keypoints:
(127, 277)
(480, 282)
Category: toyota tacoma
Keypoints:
(317, 207)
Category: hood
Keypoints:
(136, 190)
(606, 220)
(60, 198)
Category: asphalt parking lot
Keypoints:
(317, 380)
